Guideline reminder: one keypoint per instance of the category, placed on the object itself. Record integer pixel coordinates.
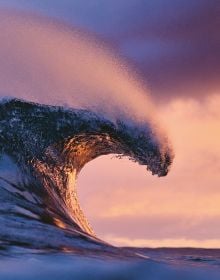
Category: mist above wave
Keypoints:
(50, 63)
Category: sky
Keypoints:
(173, 46)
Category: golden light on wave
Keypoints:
(59, 223)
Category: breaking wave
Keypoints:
(49, 145)
(69, 101)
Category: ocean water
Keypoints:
(160, 264)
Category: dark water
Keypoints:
(159, 264)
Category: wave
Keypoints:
(103, 109)
(49, 145)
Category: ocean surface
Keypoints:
(153, 264)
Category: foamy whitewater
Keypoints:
(66, 100)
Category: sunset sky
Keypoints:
(173, 46)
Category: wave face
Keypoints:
(47, 146)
